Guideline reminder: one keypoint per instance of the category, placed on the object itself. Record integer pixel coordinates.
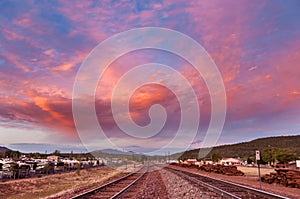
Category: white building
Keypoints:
(231, 161)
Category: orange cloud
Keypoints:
(43, 103)
(294, 92)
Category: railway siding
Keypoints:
(225, 188)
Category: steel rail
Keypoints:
(187, 174)
(98, 189)
(118, 195)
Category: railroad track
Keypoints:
(114, 189)
(224, 188)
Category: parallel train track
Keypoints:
(225, 189)
(114, 189)
(118, 188)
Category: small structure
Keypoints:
(53, 158)
(173, 162)
(231, 161)
(190, 161)
(298, 164)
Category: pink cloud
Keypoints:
(40, 61)
(252, 68)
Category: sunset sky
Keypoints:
(255, 45)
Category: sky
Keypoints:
(254, 44)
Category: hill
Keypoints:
(3, 149)
(247, 149)
(129, 155)
(110, 153)
(114, 151)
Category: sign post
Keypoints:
(257, 157)
(298, 163)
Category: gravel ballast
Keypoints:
(178, 187)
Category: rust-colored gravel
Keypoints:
(178, 187)
(151, 186)
(251, 181)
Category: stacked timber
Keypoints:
(285, 177)
(222, 169)
(186, 165)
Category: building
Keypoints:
(231, 161)
(53, 158)
(190, 161)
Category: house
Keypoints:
(208, 162)
(53, 158)
(190, 161)
(173, 161)
(231, 161)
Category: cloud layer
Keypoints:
(256, 46)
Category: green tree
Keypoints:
(56, 152)
(269, 154)
(250, 160)
(11, 154)
(143, 158)
(49, 168)
(34, 166)
(215, 157)
(285, 156)
(14, 167)
(71, 155)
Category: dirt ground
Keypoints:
(253, 171)
(55, 185)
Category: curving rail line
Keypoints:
(114, 189)
(224, 188)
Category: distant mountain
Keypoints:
(112, 153)
(247, 149)
(3, 149)
(115, 151)
(46, 148)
